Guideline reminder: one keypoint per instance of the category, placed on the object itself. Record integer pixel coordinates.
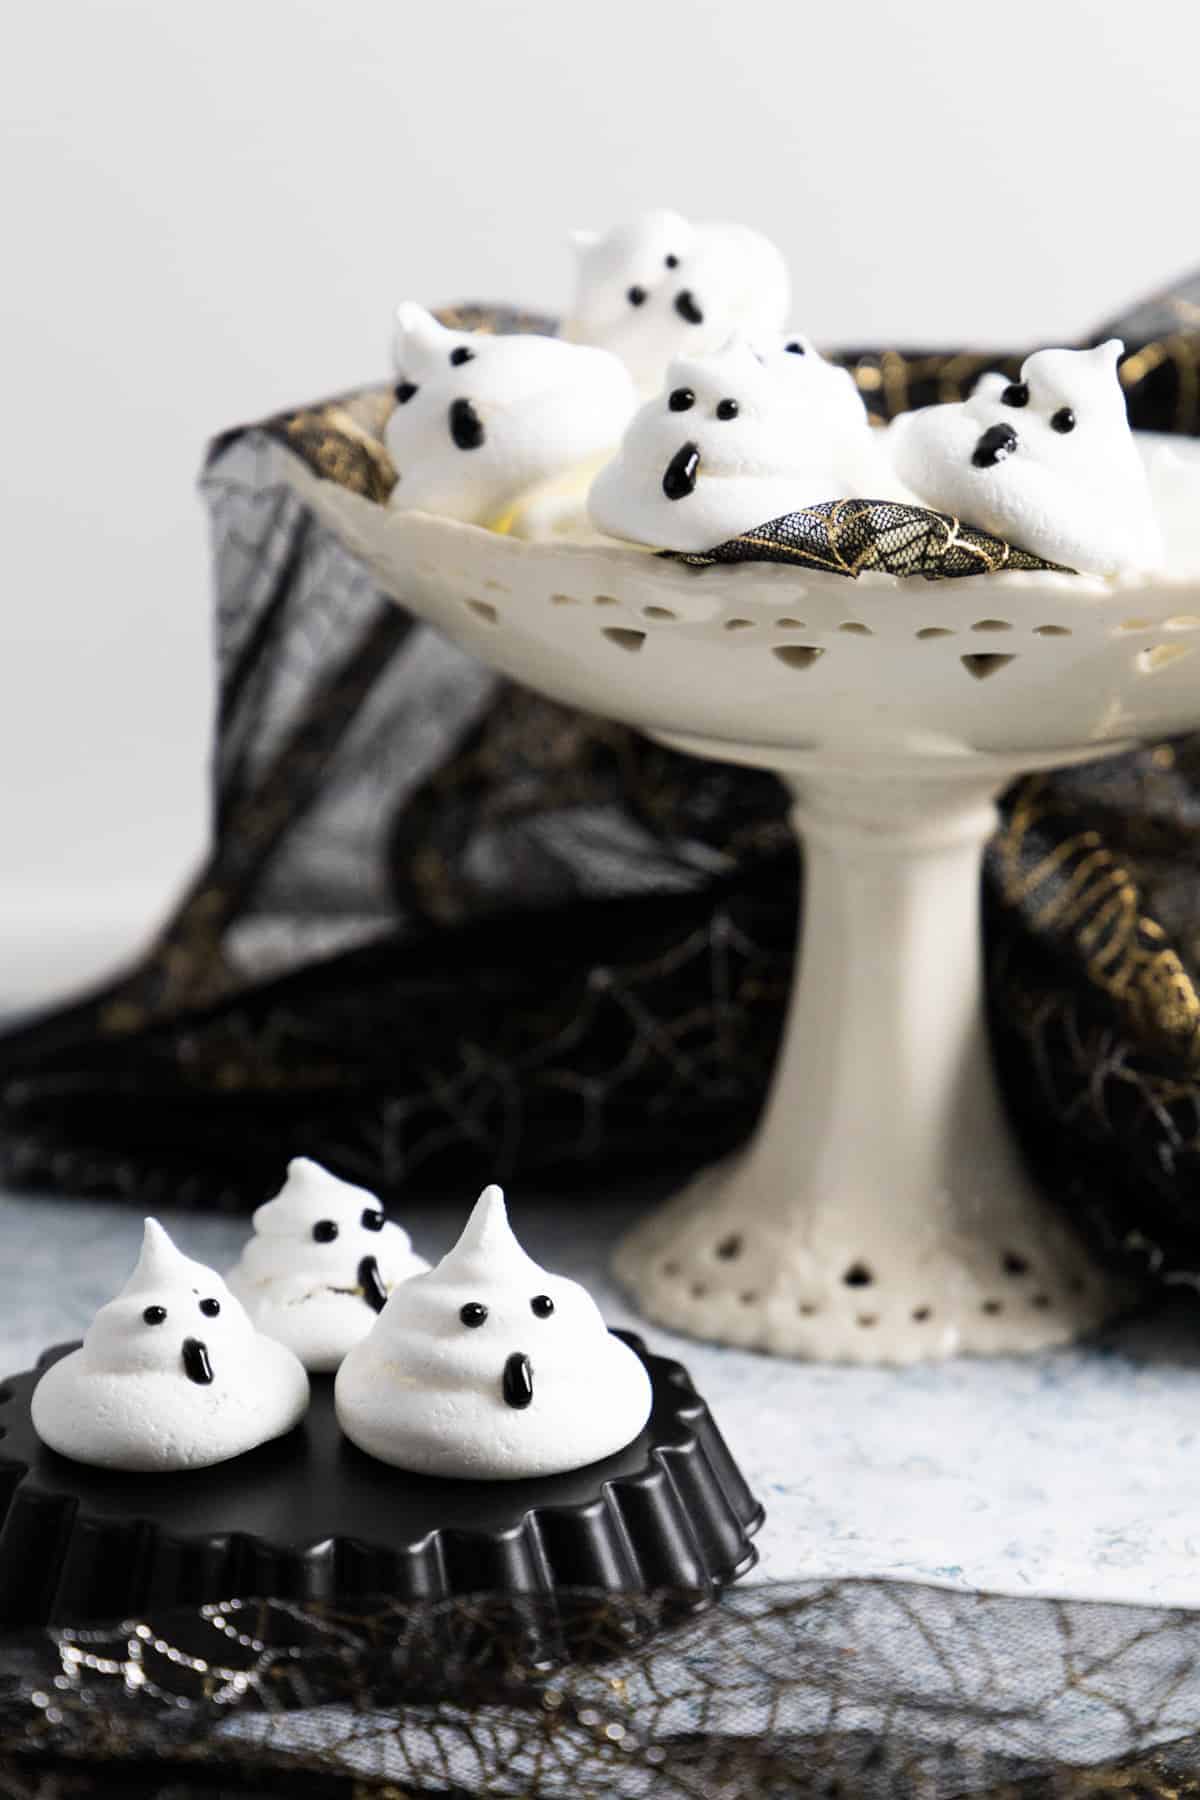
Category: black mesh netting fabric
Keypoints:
(867, 1689)
(847, 537)
(450, 931)
(440, 909)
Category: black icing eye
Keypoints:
(210, 1308)
(404, 392)
(636, 296)
(155, 1315)
(681, 399)
(541, 1306)
(796, 348)
(1063, 420)
(473, 1313)
(1015, 394)
(372, 1219)
(727, 409)
(672, 262)
(460, 355)
(324, 1231)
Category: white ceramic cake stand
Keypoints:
(882, 1212)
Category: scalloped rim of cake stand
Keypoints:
(625, 633)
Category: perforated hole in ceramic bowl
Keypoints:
(1161, 656)
(798, 656)
(984, 666)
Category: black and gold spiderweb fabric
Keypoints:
(848, 537)
(840, 1691)
(450, 932)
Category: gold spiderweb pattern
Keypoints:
(342, 441)
(785, 1690)
(846, 537)
(1077, 887)
(1093, 930)
(1160, 376)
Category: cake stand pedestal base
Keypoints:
(883, 1212)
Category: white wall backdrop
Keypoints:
(210, 206)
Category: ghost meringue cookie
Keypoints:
(660, 287)
(490, 1368)
(480, 419)
(828, 400)
(171, 1374)
(1047, 462)
(319, 1268)
(734, 440)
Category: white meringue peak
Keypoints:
(491, 1368)
(736, 439)
(827, 393)
(171, 1374)
(1047, 463)
(660, 287)
(320, 1265)
(480, 418)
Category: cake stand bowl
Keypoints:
(882, 1212)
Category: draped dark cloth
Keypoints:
(451, 932)
(876, 1690)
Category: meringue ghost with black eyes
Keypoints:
(490, 1368)
(1047, 462)
(736, 439)
(481, 419)
(660, 287)
(171, 1374)
(321, 1264)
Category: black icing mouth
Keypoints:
(686, 307)
(466, 426)
(679, 477)
(371, 1283)
(997, 442)
(196, 1365)
(518, 1381)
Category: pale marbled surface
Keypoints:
(1073, 1473)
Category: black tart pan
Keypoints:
(312, 1518)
